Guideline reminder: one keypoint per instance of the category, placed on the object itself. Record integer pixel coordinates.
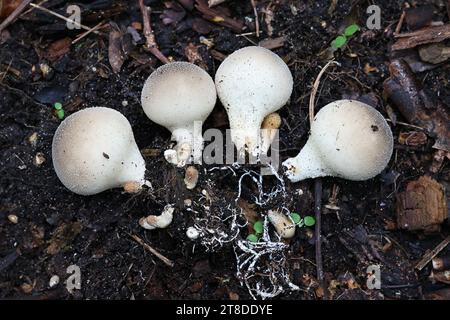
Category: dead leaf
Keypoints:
(115, 54)
(193, 56)
(412, 138)
(58, 49)
(418, 108)
(63, 237)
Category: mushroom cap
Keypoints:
(177, 94)
(253, 80)
(353, 139)
(94, 150)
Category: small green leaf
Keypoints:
(339, 42)
(60, 114)
(258, 226)
(351, 30)
(295, 217)
(58, 106)
(252, 238)
(309, 221)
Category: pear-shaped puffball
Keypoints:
(94, 150)
(252, 83)
(180, 96)
(349, 139)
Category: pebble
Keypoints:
(39, 159)
(13, 218)
(54, 280)
(192, 233)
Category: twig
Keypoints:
(406, 124)
(62, 17)
(12, 17)
(318, 186)
(433, 253)
(255, 12)
(400, 23)
(153, 251)
(318, 236)
(98, 26)
(312, 97)
(149, 35)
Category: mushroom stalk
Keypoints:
(189, 145)
(307, 164)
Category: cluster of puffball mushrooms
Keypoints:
(94, 149)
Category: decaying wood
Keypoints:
(430, 255)
(212, 3)
(422, 36)
(216, 16)
(422, 206)
(402, 89)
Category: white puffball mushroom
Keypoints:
(251, 83)
(283, 225)
(158, 222)
(94, 150)
(180, 96)
(349, 139)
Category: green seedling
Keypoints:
(59, 111)
(258, 226)
(309, 221)
(296, 218)
(342, 39)
(252, 238)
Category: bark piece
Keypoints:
(423, 36)
(422, 206)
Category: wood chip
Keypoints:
(422, 206)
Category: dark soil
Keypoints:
(94, 232)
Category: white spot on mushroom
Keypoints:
(93, 150)
(251, 83)
(180, 96)
(349, 139)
